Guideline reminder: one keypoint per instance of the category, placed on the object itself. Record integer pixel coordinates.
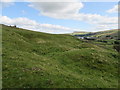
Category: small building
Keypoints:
(80, 37)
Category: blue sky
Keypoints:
(89, 10)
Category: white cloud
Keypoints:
(7, 0)
(113, 10)
(18, 21)
(71, 11)
(33, 25)
(105, 27)
(52, 8)
(71, 0)
(52, 0)
(6, 3)
(60, 0)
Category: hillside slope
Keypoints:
(109, 34)
(39, 60)
(113, 34)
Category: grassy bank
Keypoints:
(40, 60)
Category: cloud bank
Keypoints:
(26, 23)
(114, 9)
(68, 10)
(6, 3)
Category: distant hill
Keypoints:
(76, 32)
(108, 34)
(40, 60)
(113, 34)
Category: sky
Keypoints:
(60, 17)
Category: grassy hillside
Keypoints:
(102, 34)
(39, 60)
(106, 34)
(74, 33)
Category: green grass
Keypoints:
(40, 60)
(102, 34)
(111, 33)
